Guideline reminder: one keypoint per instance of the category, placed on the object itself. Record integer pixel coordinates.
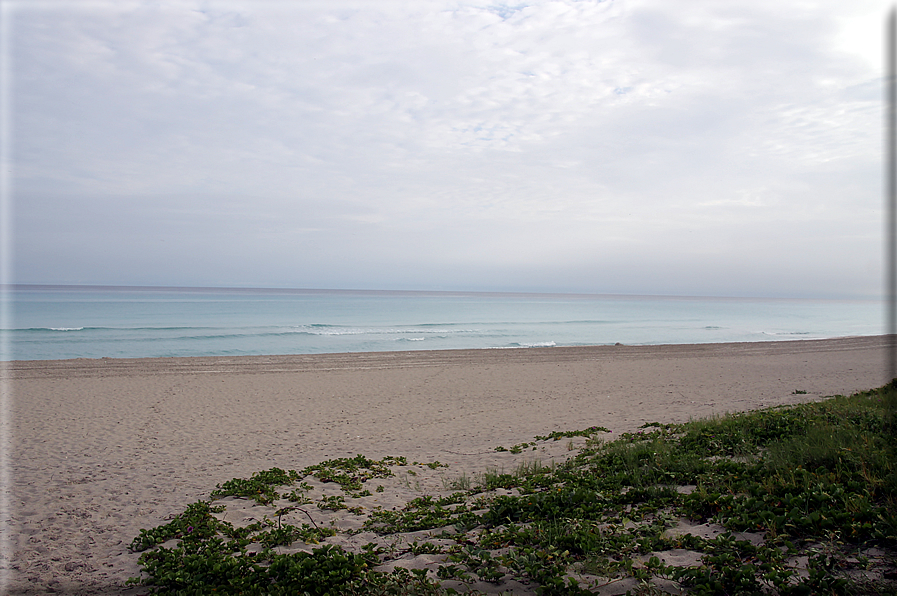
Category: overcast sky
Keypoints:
(690, 147)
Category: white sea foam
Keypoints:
(324, 330)
(521, 346)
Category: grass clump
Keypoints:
(801, 500)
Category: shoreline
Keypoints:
(344, 360)
(102, 448)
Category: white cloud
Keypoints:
(451, 143)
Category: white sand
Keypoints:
(103, 448)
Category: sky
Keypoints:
(661, 147)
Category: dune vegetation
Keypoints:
(788, 500)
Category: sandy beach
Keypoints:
(103, 448)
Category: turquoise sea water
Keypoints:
(94, 322)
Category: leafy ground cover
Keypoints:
(789, 500)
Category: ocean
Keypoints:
(61, 322)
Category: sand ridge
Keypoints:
(103, 448)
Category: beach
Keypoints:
(104, 447)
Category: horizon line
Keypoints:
(359, 291)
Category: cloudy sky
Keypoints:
(690, 147)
